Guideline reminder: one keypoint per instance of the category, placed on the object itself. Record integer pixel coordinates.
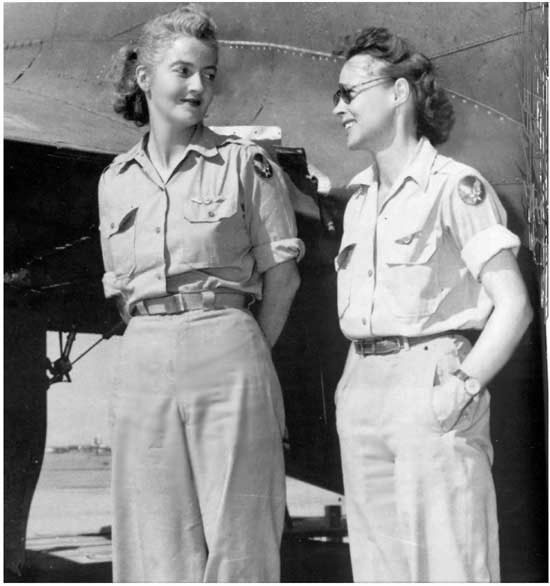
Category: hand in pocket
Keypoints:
(448, 401)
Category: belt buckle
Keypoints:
(208, 300)
(388, 345)
(179, 303)
(381, 346)
(365, 347)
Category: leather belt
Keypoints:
(182, 302)
(394, 344)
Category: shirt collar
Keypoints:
(204, 141)
(418, 170)
(420, 167)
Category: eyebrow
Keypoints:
(181, 62)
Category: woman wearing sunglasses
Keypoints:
(194, 225)
(430, 294)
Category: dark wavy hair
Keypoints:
(156, 36)
(434, 111)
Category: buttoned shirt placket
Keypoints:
(368, 265)
(364, 274)
(151, 237)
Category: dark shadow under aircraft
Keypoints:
(279, 64)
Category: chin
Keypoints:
(187, 121)
(354, 144)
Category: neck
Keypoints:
(167, 144)
(392, 159)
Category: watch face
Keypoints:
(472, 386)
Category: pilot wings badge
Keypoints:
(471, 190)
(262, 166)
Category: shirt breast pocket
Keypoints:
(209, 209)
(119, 228)
(412, 283)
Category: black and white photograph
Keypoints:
(275, 292)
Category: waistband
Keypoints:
(182, 302)
(394, 344)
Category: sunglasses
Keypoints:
(347, 94)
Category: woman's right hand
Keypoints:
(324, 184)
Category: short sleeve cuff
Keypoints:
(273, 253)
(485, 244)
(110, 285)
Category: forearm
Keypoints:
(339, 194)
(280, 284)
(508, 321)
(497, 342)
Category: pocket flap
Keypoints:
(118, 221)
(411, 248)
(344, 256)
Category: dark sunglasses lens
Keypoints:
(341, 94)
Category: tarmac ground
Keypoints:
(69, 533)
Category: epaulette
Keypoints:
(452, 167)
(234, 139)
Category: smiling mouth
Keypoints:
(192, 101)
(347, 125)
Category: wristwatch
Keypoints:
(471, 385)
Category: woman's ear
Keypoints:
(401, 91)
(142, 78)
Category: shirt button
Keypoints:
(364, 321)
(370, 273)
(211, 214)
(159, 276)
(157, 230)
(112, 225)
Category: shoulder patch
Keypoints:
(262, 167)
(471, 190)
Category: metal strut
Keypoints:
(61, 367)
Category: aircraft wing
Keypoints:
(279, 66)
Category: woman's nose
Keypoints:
(195, 82)
(338, 108)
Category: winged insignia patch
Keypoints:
(471, 190)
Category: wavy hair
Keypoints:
(156, 36)
(434, 111)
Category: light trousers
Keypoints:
(420, 501)
(198, 472)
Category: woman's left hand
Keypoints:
(448, 400)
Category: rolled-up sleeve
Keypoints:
(270, 216)
(486, 244)
(479, 227)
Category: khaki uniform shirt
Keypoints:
(410, 265)
(221, 220)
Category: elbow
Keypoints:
(524, 314)
(291, 282)
(527, 311)
(294, 281)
